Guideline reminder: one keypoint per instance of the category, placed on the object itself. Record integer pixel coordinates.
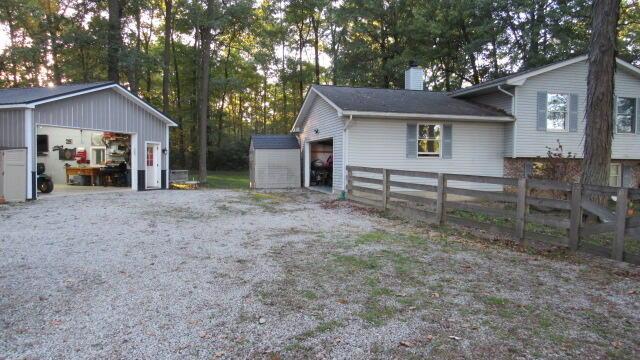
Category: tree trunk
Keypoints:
(181, 143)
(114, 40)
(315, 23)
(166, 55)
(600, 85)
(203, 95)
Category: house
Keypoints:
(500, 127)
(99, 132)
(274, 162)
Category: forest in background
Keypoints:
(243, 67)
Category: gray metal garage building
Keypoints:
(91, 113)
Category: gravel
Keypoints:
(161, 274)
(238, 274)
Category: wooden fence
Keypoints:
(523, 209)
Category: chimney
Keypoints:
(414, 77)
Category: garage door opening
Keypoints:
(80, 161)
(321, 165)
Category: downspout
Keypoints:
(345, 156)
(513, 113)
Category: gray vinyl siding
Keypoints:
(105, 110)
(324, 117)
(570, 79)
(508, 132)
(276, 168)
(381, 143)
(12, 128)
(498, 100)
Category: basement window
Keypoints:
(429, 137)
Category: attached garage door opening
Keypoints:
(321, 165)
(76, 160)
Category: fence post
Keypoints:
(576, 216)
(441, 213)
(385, 187)
(521, 209)
(617, 250)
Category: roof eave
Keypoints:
(418, 116)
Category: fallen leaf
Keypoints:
(342, 301)
(406, 344)
(455, 338)
(429, 337)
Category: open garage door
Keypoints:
(73, 160)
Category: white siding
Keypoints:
(277, 169)
(325, 119)
(569, 79)
(508, 132)
(498, 100)
(477, 149)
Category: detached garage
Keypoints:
(82, 135)
(274, 162)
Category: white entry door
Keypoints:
(152, 169)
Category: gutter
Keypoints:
(377, 114)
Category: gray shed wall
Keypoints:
(12, 128)
(105, 110)
(275, 168)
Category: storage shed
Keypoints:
(274, 162)
(86, 135)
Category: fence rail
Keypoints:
(509, 206)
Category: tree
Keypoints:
(203, 94)
(114, 40)
(166, 54)
(600, 85)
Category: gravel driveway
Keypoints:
(234, 274)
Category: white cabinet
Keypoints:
(13, 174)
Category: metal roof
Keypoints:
(14, 96)
(275, 142)
(402, 102)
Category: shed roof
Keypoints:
(28, 95)
(275, 142)
(402, 101)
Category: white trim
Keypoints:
(307, 165)
(29, 134)
(378, 114)
(155, 158)
(135, 160)
(628, 66)
(16, 106)
(167, 170)
(513, 113)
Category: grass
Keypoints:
(228, 179)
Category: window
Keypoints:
(557, 112)
(615, 175)
(625, 115)
(98, 155)
(42, 144)
(149, 156)
(429, 136)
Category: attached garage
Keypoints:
(274, 162)
(86, 135)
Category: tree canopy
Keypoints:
(265, 54)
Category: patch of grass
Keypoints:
(356, 263)
(494, 301)
(383, 237)
(321, 328)
(376, 313)
(309, 295)
(228, 179)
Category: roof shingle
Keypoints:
(15, 96)
(402, 101)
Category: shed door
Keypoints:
(152, 163)
(13, 167)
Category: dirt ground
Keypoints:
(237, 274)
